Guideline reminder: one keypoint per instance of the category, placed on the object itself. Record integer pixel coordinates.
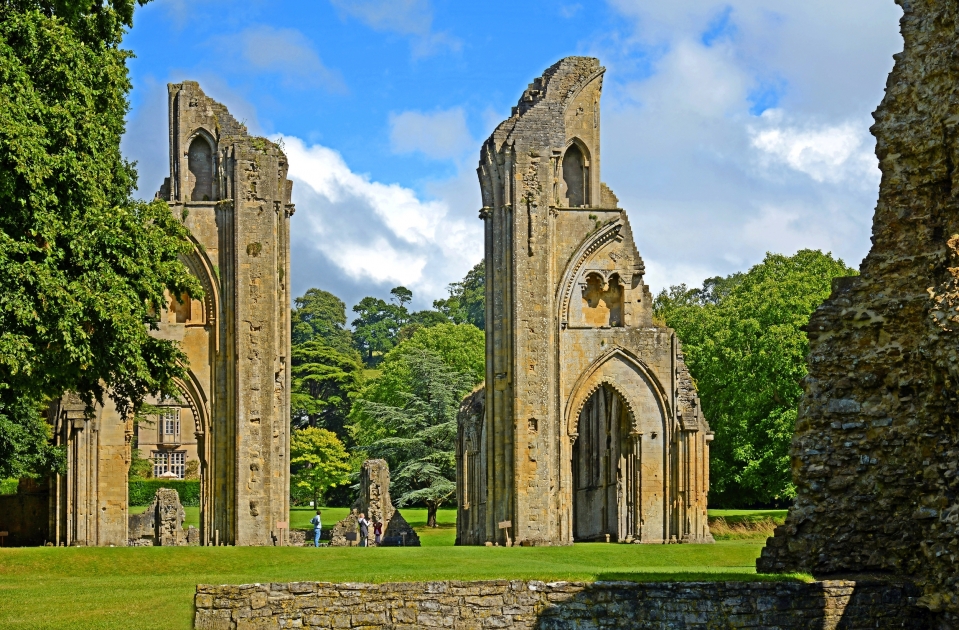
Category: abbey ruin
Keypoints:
(231, 191)
(875, 456)
(589, 425)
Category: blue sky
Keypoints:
(729, 128)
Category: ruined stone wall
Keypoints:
(568, 313)
(232, 193)
(520, 604)
(876, 451)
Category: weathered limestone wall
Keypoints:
(231, 190)
(876, 451)
(570, 336)
(520, 604)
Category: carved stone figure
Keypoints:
(232, 416)
(589, 425)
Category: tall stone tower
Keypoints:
(589, 425)
(232, 412)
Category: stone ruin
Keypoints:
(374, 501)
(876, 451)
(232, 412)
(161, 525)
(589, 426)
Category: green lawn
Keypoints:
(152, 587)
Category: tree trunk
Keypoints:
(431, 515)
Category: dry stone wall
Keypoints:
(521, 604)
(876, 453)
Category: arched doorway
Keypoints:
(619, 460)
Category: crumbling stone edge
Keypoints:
(533, 604)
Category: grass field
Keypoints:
(152, 587)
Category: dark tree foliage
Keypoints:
(377, 327)
(467, 300)
(323, 382)
(80, 261)
(321, 315)
(744, 344)
(421, 431)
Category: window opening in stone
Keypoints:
(182, 310)
(603, 301)
(576, 177)
(200, 163)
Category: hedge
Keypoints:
(142, 491)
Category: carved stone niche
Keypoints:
(602, 302)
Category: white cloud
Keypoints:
(735, 128)
(830, 153)
(413, 18)
(438, 135)
(375, 233)
(287, 52)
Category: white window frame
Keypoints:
(170, 421)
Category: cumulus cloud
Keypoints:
(413, 18)
(739, 127)
(377, 235)
(438, 135)
(829, 153)
(287, 52)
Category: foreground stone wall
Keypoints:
(876, 452)
(521, 604)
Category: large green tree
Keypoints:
(744, 344)
(80, 261)
(418, 430)
(467, 300)
(323, 381)
(320, 315)
(318, 462)
(378, 323)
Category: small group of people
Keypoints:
(364, 523)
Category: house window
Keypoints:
(169, 461)
(170, 421)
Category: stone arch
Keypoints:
(606, 234)
(201, 267)
(201, 163)
(575, 168)
(642, 392)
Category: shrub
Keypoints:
(142, 491)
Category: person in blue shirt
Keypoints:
(317, 528)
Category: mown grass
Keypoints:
(153, 587)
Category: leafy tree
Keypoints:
(321, 315)
(419, 430)
(323, 381)
(140, 467)
(375, 330)
(318, 462)
(80, 261)
(467, 300)
(402, 295)
(744, 344)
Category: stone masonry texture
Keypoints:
(589, 426)
(832, 605)
(876, 451)
(230, 190)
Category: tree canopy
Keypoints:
(81, 262)
(467, 300)
(744, 343)
(319, 314)
(318, 462)
(416, 430)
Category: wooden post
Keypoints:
(505, 525)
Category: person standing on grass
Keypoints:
(377, 532)
(364, 530)
(317, 523)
